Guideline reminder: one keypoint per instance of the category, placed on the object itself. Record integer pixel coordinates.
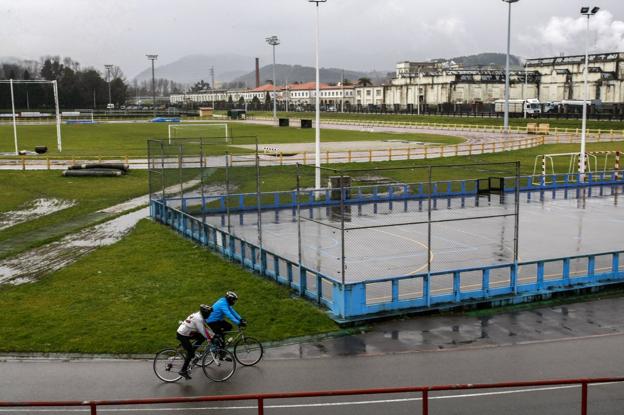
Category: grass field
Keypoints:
(91, 306)
(560, 123)
(129, 297)
(130, 139)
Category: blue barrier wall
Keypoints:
(352, 301)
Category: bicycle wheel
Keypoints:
(167, 364)
(219, 365)
(248, 351)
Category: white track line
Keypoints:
(102, 408)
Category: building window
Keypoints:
(368, 92)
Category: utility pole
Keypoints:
(152, 58)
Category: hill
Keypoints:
(298, 73)
(193, 68)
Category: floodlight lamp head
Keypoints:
(511, 1)
(595, 10)
(273, 40)
(584, 10)
(320, 1)
(152, 57)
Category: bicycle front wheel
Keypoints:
(248, 351)
(219, 365)
(167, 364)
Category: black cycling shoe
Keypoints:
(223, 356)
(185, 374)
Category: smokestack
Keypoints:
(257, 72)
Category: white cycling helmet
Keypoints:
(231, 297)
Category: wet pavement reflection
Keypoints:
(447, 332)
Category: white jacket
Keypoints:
(193, 324)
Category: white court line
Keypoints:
(102, 408)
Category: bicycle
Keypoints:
(217, 363)
(247, 350)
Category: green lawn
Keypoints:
(130, 139)
(92, 305)
(129, 297)
(560, 123)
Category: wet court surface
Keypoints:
(551, 225)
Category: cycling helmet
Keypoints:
(205, 310)
(231, 297)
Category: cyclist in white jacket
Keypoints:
(192, 333)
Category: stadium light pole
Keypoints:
(585, 11)
(317, 140)
(108, 78)
(152, 58)
(274, 41)
(506, 118)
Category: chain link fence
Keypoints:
(381, 223)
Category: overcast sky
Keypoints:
(355, 34)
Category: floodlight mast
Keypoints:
(153, 57)
(506, 117)
(274, 41)
(585, 11)
(317, 140)
(108, 78)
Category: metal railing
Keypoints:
(261, 398)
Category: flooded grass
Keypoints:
(89, 195)
(128, 298)
(32, 210)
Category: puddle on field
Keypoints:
(31, 265)
(33, 210)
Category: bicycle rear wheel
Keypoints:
(248, 351)
(167, 364)
(219, 365)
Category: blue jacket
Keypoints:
(220, 310)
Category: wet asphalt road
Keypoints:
(575, 340)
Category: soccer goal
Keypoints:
(24, 115)
(199, 131)
(548, 166)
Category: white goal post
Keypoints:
(11, 82)
(195, 130)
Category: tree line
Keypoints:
(79, 88)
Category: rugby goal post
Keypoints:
(193, 130)
(11, 82)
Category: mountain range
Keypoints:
(241, 70)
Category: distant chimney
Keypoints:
(257, 72)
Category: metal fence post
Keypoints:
(259, 205)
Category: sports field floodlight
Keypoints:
(274, 41)
(506, 117)
(108, 78)
(317, 140)
(585, 11)
(153, 58)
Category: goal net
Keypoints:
(29, 114)
(214, 130)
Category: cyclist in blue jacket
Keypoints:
(221, 310)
